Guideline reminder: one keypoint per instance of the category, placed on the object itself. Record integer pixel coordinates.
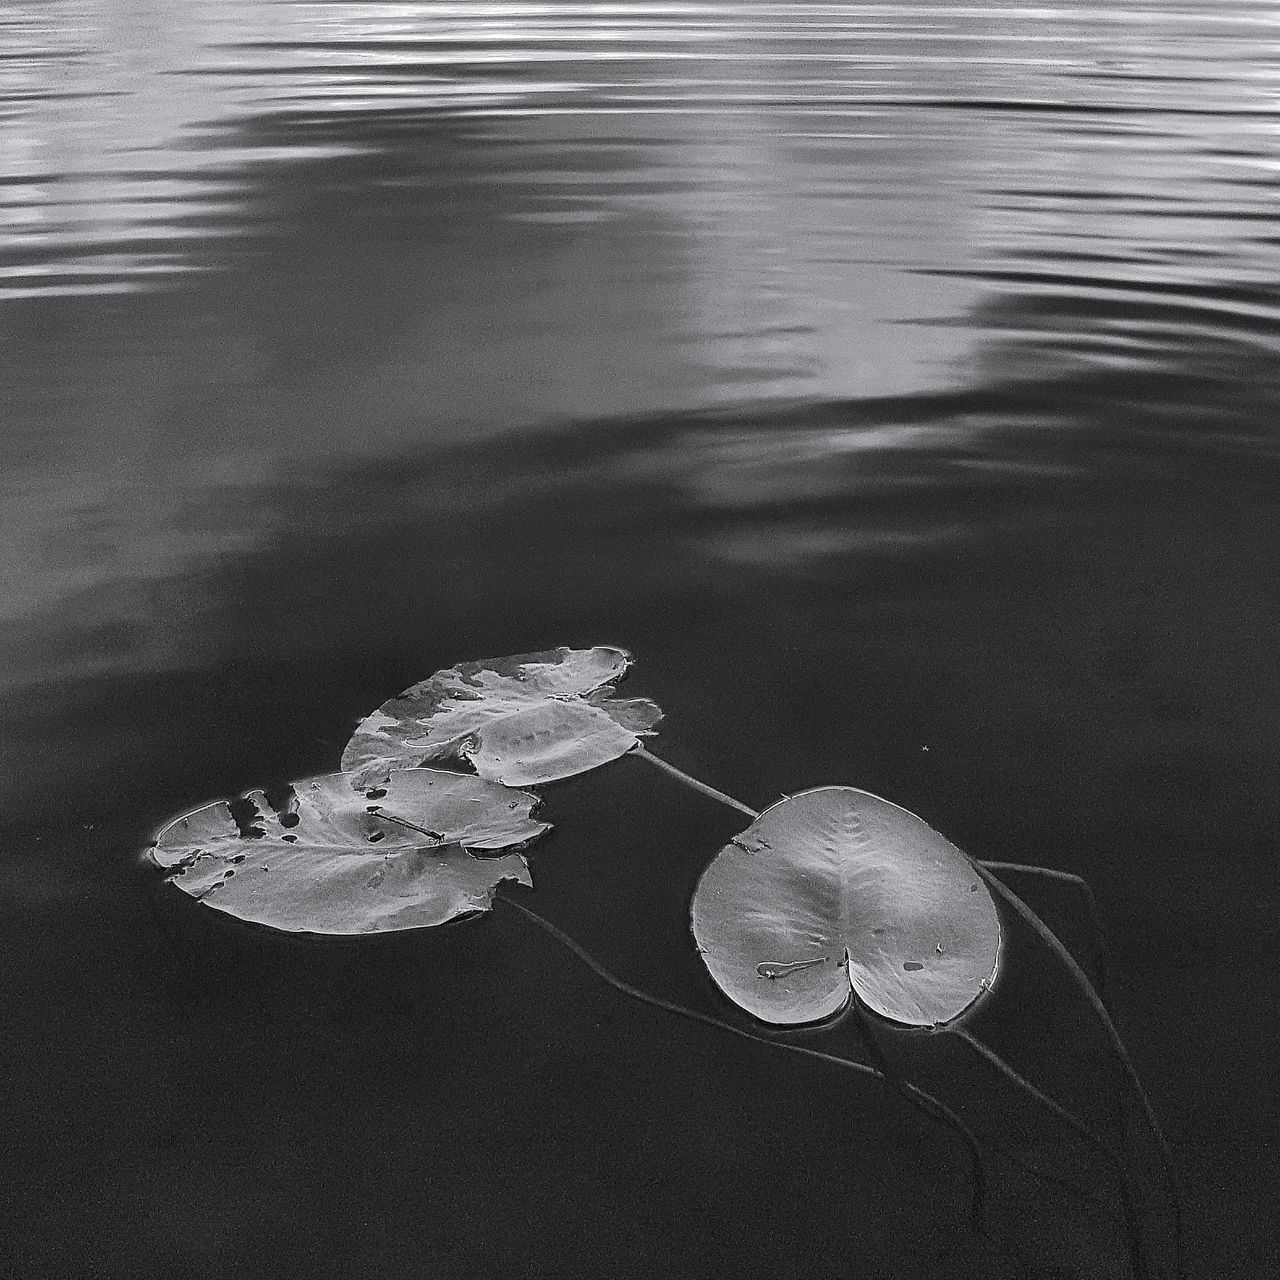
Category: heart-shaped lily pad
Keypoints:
(342, 862)
(521, 720)
(834, 891)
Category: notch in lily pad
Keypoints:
(338, 861)
(520, 720)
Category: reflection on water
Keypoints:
(826, 196)
(241, 237)
(897, 380)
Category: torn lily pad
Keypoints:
(521, 720)
(835, 891)
(339, 861)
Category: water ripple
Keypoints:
(837, 198)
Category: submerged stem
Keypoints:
(641, 752)
(1056, 1109)
(1090, 906)
(917, 1096)
(867, 1034)
(1050, 939)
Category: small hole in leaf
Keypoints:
(911, 966)
(290, 839)
(288, 819)
(238, 858)
(376, 793)
(376, 836)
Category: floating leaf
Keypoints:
(343, 862)
(836, 890)
(522, 720)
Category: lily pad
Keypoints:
(835, 891)
(342, 862)
(522, 720)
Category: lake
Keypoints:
(895, 381)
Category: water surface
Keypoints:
(896, 381)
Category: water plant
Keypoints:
(832, 904)
(337, 860)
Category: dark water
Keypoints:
(896, 381)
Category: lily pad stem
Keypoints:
(1050, 939)
(1056, 1109)
(918, 1097)
(1090, 906)
(690, 781)
(867, 1034)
